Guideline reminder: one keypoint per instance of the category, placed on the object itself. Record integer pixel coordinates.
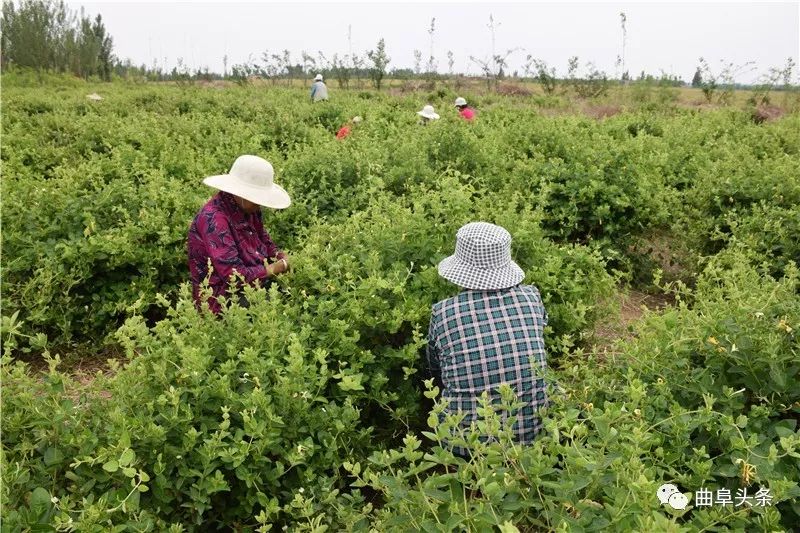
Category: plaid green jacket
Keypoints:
(480, 339)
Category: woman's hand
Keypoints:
(281, 257)
(278, 267)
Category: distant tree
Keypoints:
(203, 74)
(402, 74)
(286, 66)
(451, 61)
(105, 45)
(340, 69)
(546, 76)
(430, 67)
(724, 80)
(379, 63)
(494, 67)
(322, 63)
(697, 80)
(358, 63)
(594, 84)
(181, 73)
(269, 67)
(296, 71)
(309, 63)
(623, 19)
(29, 33)
(775, 77)
(242, 72)
(46, 35)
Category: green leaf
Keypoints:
(778, 376)
(40, 498)
(727, 470)
(351, 382)
(785, 428)
(133, 501)
(111, 466)
(53, 456)
(127, 457)
(508, 527)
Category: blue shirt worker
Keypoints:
(490, 333)
(319, 91)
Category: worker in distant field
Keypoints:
(227, 236)
(347, 129)
(465, 111)
(427, 114)
(319, 91)
(491, 333)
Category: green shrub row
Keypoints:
(98, 195)
(282, 415)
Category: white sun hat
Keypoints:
(428, 112)
(251, 178)
(357, 119)
(460, 101)
(94, 96)
(482, 260)
(318, 77)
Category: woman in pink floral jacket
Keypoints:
(227, 236)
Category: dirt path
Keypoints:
(630, 305)
(82, 370)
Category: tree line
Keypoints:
(48, 36)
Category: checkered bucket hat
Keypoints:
(483, 259)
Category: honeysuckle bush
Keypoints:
(708, 397)
(768, 233)
(309, 409)
(751, 186)
(249, 409)
(278, 415)
(99, 195)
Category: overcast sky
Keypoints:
(660, 36)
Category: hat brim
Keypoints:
(434, 116)
(470, 277)
(273, 196)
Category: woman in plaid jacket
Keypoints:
(489, 334)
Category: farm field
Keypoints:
(309, 410)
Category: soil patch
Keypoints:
(767, 113)
(602, 111)
(509, 89)
(82, 369)
(627, 307)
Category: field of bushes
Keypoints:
(310, 410)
